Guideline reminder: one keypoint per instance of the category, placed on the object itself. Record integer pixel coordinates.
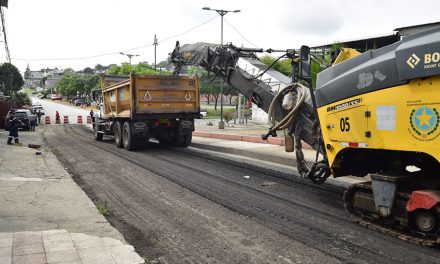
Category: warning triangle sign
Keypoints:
(147, 96)
(187, 96)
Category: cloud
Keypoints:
(318, 21)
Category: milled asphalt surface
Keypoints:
(230, 141)
(47, 218)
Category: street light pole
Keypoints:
(222, 13)
(129, 56)
(155, 45)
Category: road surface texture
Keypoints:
(180, 205)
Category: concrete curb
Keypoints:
(246, 153)
(253, 139)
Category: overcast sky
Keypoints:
(45, 33)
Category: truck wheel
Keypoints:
(182, 140)
(117, 130)
(127, 138)
(188, 139)
(98, 136)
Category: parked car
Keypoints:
(81, 101)
(55, 97)
(37, 108)
(203, 112)
(25, 117)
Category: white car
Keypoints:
(203, 112)
(37, 108)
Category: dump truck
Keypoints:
(139, 107)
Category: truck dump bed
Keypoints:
(143, 95)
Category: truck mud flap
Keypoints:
(186, 127)
(139, 128)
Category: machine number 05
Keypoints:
(344, 124)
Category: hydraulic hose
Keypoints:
(319, 171)
(301, 96)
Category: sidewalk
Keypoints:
(45, 217)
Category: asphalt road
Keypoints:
(184, 206)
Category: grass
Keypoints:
(213, 114)
(103, 208)
(47, 149)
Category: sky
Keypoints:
(83, 33)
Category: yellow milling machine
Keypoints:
(374, 114)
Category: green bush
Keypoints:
(228, 116)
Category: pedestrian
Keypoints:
(92, 117)
(39, 114)
(57, 118)
(13, 128)
(32, 124)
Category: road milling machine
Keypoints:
(373, 114)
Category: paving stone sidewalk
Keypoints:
(45, 217)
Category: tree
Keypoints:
(228, 90)
(210, 88)
(69, 70)
(43, 81)
(10, 78)
(283, 66)
(100, 69)
(163, 64)
(141, 68)
(73, 84)
(20, 99)
(88, 70)
(27, 73)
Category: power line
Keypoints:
(239, 33)
(115, 53)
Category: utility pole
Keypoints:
(222, 13)
(155, 45)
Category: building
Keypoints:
(53, 76)
(43, 79)
(376, 42)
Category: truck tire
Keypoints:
(98, 136)
(182, 140)
(128, 140)
(117, 131)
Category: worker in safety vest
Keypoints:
(13, 128)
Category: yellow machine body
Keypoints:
(383, 120)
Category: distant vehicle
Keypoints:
(25, 117)
(36, 104)
(37, 108)
(81, 101)
(203, 112)
(56, 97)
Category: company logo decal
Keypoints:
(413, 60)
(344, 105)
(424, 123)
